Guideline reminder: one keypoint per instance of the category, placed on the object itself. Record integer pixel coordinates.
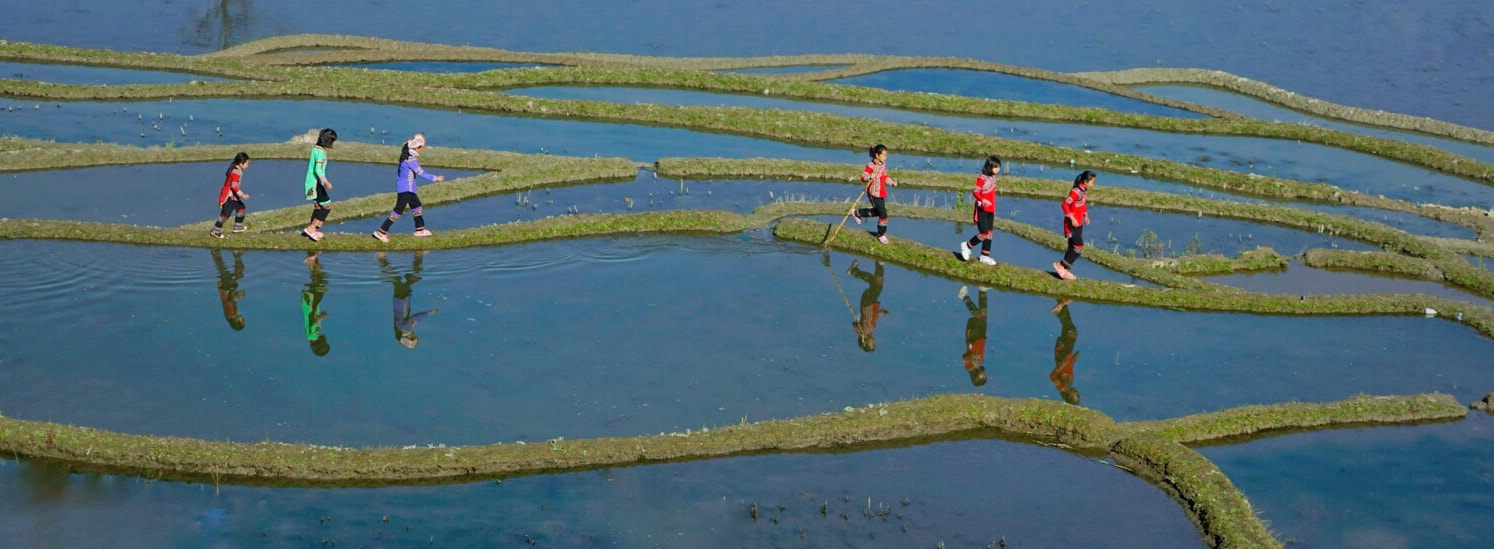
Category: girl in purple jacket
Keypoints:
(409, 167)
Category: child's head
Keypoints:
(867, 341)
(1087, 179)
(978, 376)
(319, 346)
(326, 138)
(878, 152)
(992, 167)
(409, 339)
(237, 322)
(1070, 395)
(240, 161)
(412, 147)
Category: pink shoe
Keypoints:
(382, 236)
(857, 216)
(314, 236)
(882, 239)
(1062, 272)
(422, 232)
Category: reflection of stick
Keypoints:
(854, 203)
(838, 288)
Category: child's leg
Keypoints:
(879, 207)
(228, 207)
(417, 210)
(1076, 247)
(394, 215)
(238, 218)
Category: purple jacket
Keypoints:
(407, 172)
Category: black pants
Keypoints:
(1076, 244)
(878, 209)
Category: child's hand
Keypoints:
(327, 183)
(243, 196)
(440, 178)
(1086, 219)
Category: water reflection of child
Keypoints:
(228, 287)
(871, 307)
(1064, 355)
(404, 322)
(975, 337)
(311, 305)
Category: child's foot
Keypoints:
(965, 251)
(1059, 270)
(216, 232)
(1069, 275)
(857, 216)
(238, 228)
(422, 232)
(382, 236)
(882, 239)
(312, 235)
(964, 292)
(852, 268)
(986, 260)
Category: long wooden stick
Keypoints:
(854, 203)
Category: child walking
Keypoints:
(317, 184)
(985, 211)
(1075, 217)
(404, 184)
(231, 197)
(876, 179)
(975, 337)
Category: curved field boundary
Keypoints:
(1153, 450)
(597, 69)
(1272, 94)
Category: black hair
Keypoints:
(1084, 177)
(878, 149)
(404, 154)
(326, 137)
(992, 162)
(240, 158)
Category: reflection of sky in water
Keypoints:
(1270, 157)
(1350, 487)
(993, 85)
(694, 504)
(597, 327)
(1252, 107)
(1302, 280)
(83, 75)
(441, 66)
(786, 70)
(225, 121)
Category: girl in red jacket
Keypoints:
(876, 179)
(1075, 217)
(985, 212)
(231, 197)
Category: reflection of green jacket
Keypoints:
(310, 311)
(316, 171)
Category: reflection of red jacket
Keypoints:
(975, 354)
(868, 323)
(985, 190)
(230, 302)
(876, 174)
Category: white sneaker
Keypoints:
(965, 251)
(964, 292)
(423, 232)
(986, 259)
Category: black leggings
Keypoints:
(404, 200)
(878, 209)
(1076, 244)
(234, 208)
(985, 223)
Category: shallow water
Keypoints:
(1422, 486)
(991, 85)
(525, 331)
(1034, 494)
(1424, 59)
(1269, 157)
(81, 75)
